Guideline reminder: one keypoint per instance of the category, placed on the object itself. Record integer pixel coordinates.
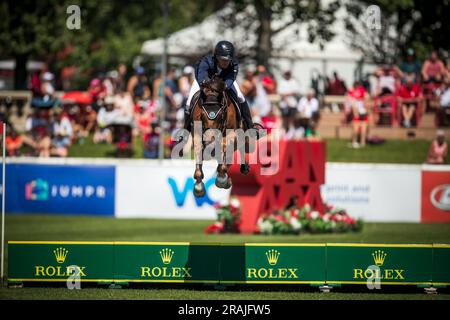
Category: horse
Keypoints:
(215, 108)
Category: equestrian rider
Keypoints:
(221, 63)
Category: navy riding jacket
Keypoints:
(207, 67)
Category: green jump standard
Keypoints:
(219, 263)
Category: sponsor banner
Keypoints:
(382, 264)
(167, 262)
(165, 190)
(273, 263)
(251, 263)
(376, 193)
(60, 261)
(441, 264)
(72, 189)
(367, 191)
(435, 195)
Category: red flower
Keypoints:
(216, 227)
(234, 210)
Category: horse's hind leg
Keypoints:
(223, 180)
(199, 186)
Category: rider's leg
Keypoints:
(187, 108)
(243, 105)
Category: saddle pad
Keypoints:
(212, 110)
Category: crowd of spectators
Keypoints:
(403, 92)
(119, 108)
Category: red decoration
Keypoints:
(298, 172)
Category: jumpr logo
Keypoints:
(36, 190)
(180, 195)
(42, 190)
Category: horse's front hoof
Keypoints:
(229, 184)
(245, 168)
(199, 189)
(221, 182)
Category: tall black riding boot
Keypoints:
(246, 115)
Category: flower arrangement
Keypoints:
(228, 217)
(289, 220)
(293, 220)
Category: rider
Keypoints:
(221, 63)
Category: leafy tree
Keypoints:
(111, 31)
(420, 24)
(258, 17)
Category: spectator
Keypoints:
(355, 99)
(38, 131)
(411, 66)
(121, 84)
(35, 84)
(267, 80)
(262, 106)
(386, 84)
(438, 149)
(409, 95)
(248, 87)
(104, 119)
(46, 97)
(137, 85)
(110, 82)
(97, 91)
(358, 114)
(185, 82)
(433, 70)
(47, 89)
(151, 142)
(124, 106)
(14, 142)
(444, 110)
(288, 91)
(62, 134)
(337, 86)
(167, 91)
(142, 118)
(308, 108)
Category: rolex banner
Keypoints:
(167, 262)
(273, 263)
(58, 261)
(386, 264)
(212, 263)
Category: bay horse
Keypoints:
(214, 108)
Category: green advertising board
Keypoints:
(166, 262)
(214, 263)
(58, 260)
(390, 264)
(441, 264)
(266, 263)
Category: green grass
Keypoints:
(46, 227)
(392, 151)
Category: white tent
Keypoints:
(292, 50)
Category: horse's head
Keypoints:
(213, 91)
(214, 102)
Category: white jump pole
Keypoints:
(3, 203)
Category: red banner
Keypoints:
(435, 196)
(299, 172)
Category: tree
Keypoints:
(419, 24)
(259, 17)
(111, 32)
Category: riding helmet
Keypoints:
(224, 49)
